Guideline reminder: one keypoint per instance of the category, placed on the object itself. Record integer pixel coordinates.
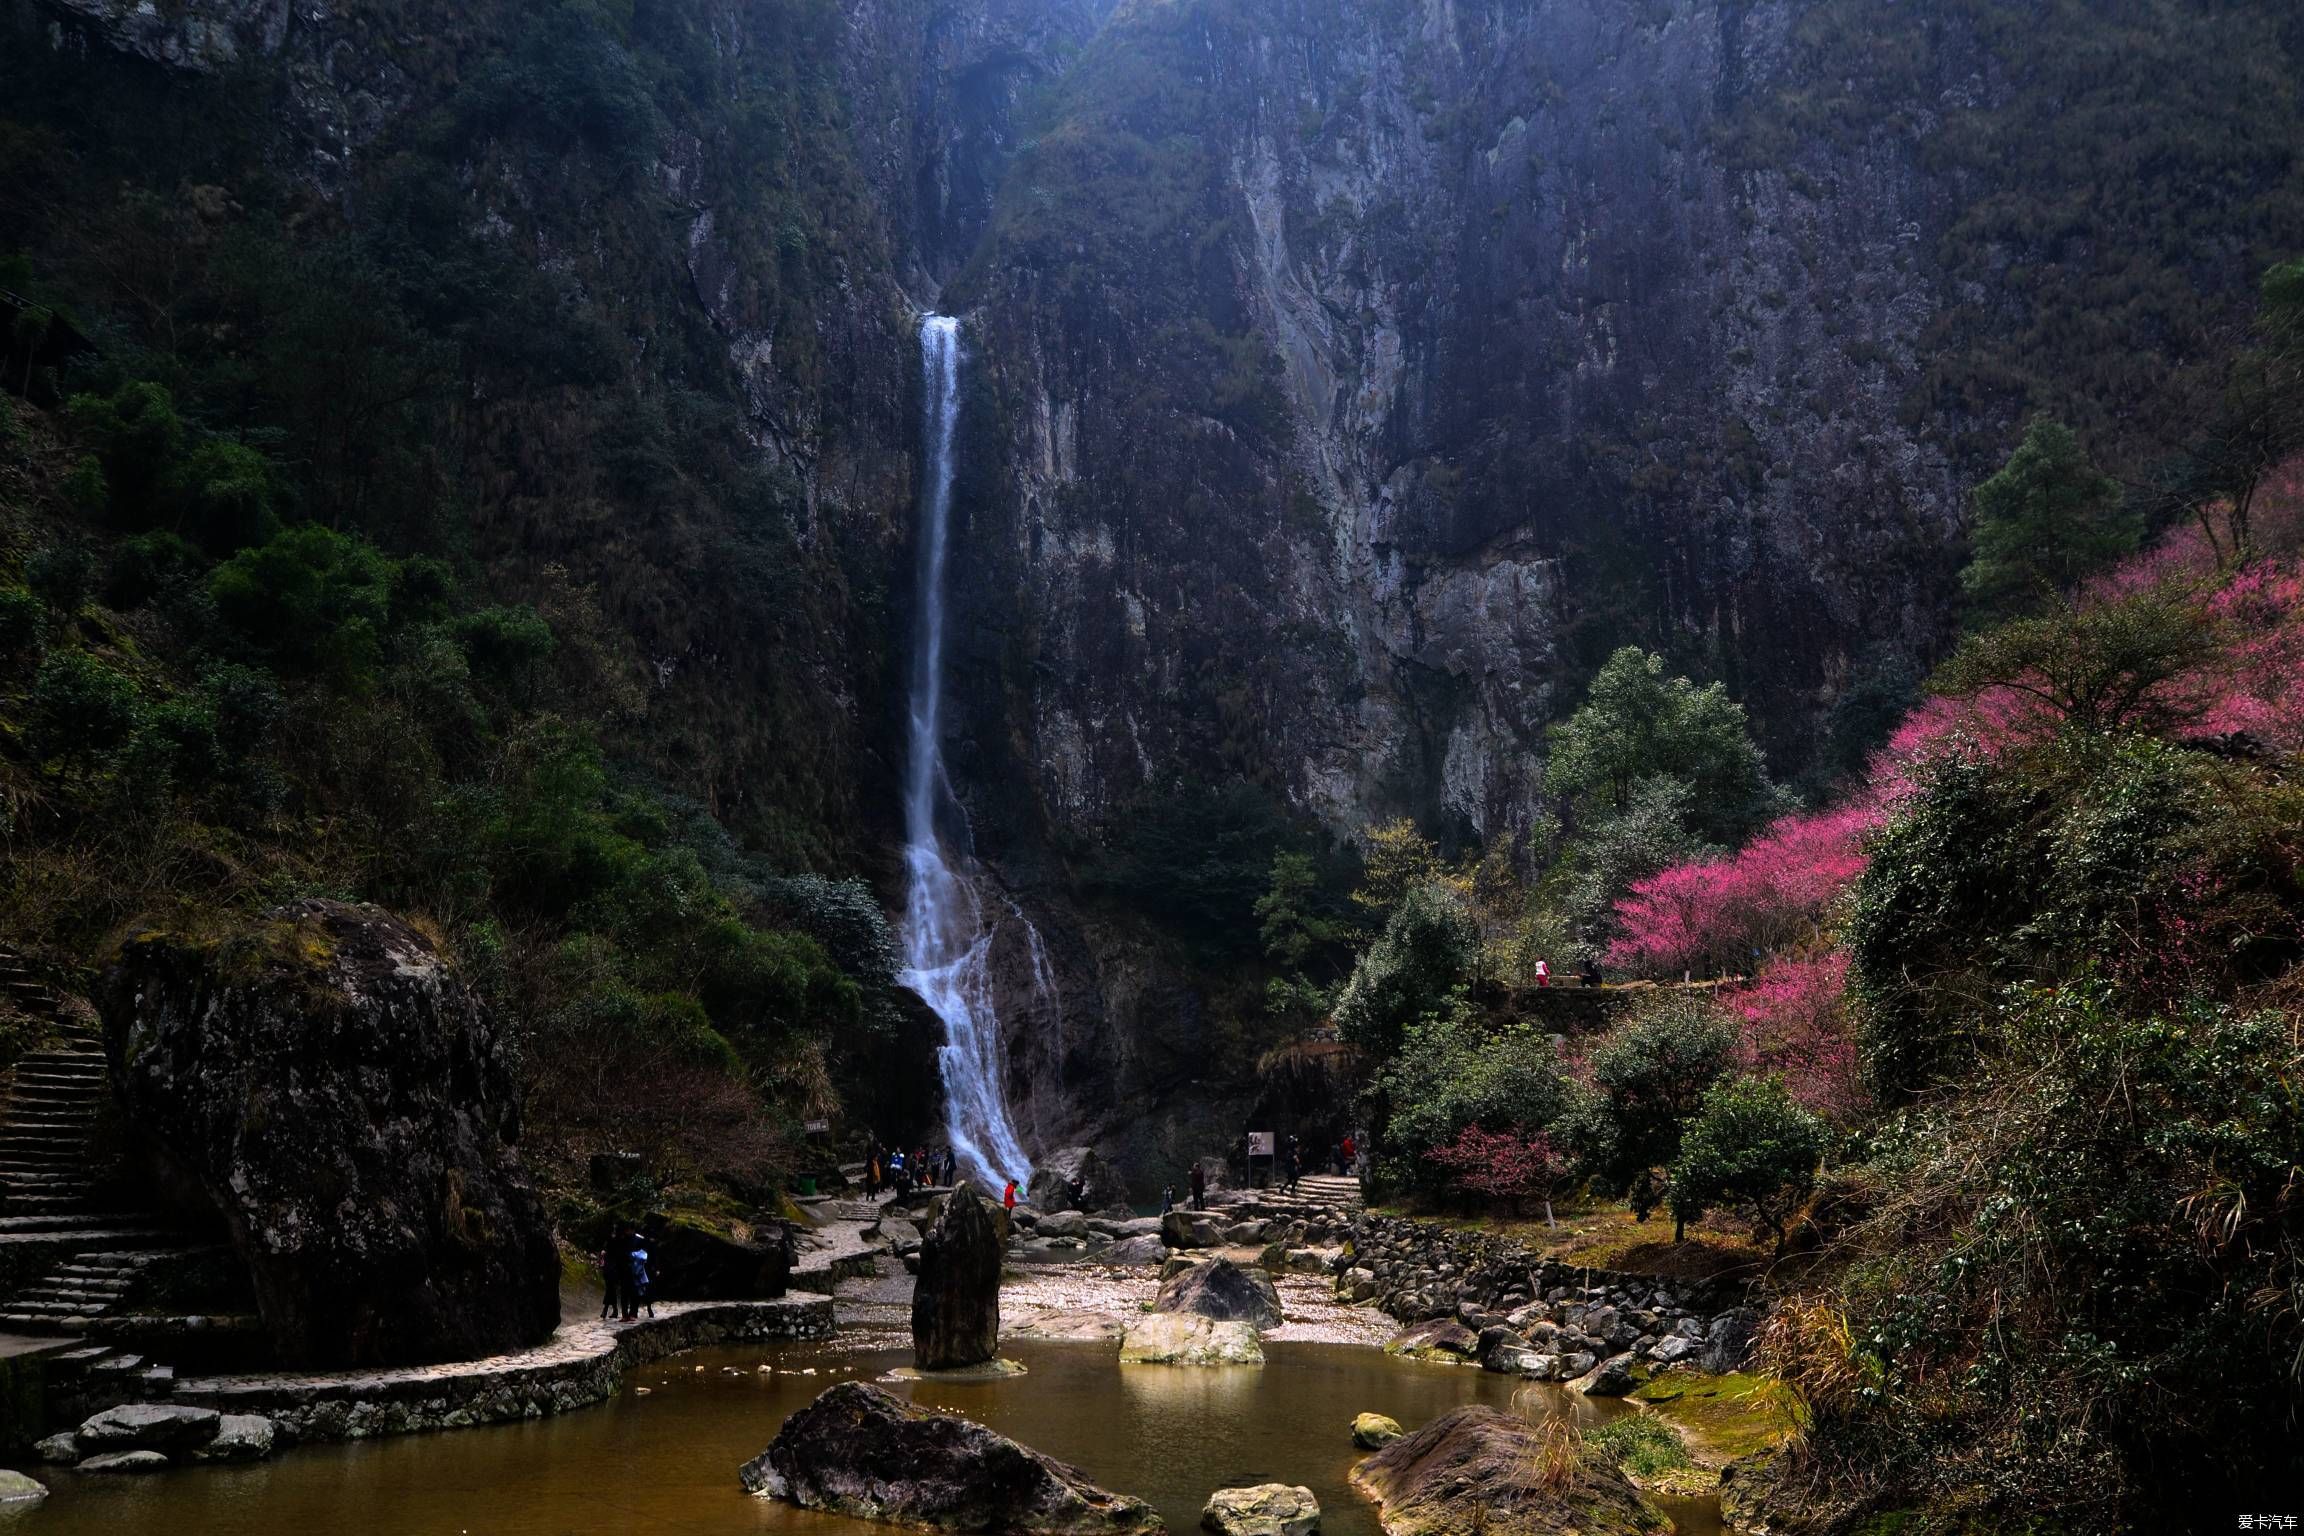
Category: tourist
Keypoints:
(1008, 1196)
(1590, 975)
(1351, 1153)
(1336, 1156)
(612, 1266)
(1199, 1182)
(1167, 1198)
(1288, 1165)
(872, 1177)
(642, 1293)
(1543, 973)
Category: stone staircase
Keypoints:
(84, 1254)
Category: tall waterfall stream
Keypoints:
(947, 940)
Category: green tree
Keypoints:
(1613, 852)
(2046, 520)
(64, 576)
(313, 599)
(23, 621)
(82, 710)
(1752, 1149)
(138, 437)
(1453, 1071)
(1428, 951)
(1400, 859)
(1641, 723)
(1649, 1076)
(2099, 665)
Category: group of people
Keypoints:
(902, 1171)
(630, 1288)
(1588, 974)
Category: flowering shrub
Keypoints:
(1503, 1165)
(1717, 913)
(1794, 1022)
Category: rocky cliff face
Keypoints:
(1344, 379)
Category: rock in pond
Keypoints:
(1441, 1338)
(125, 1461)
(1269, 1509)
(865, 1453)
(1186, 1338)
(1374, 1431)
(149, 1427)
(240, 1437)
(956, 1302)
(324, 1083)
(1224, 1291)
(1062, 1224)
(58, 1450)
(16, 1488)
(1057, 1173)
(1480, 1469)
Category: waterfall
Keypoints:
(947, 942)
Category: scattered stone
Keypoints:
(1675, 1348)
(1269, 1509)
(1612, 1377)
(1480, 1469)
(125, 1461)
(1062, 1224)
(1373, 1431)
(322, 1077)
(1187, 1338)
(240, 1437)
(16, 1488)
(1185, 1229)
(149, 1427)
(59, 1450)
(956, 1302)
(862, 1452)
(1222, 1290)
(1441, 1338)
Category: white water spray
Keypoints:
(947, 944)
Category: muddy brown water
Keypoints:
(664, 1461)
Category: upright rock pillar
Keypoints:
(956, 1301)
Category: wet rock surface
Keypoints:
(324, 1083)
(1076, 1179)
(1186, 1338)
(956, 1299)
(1373, 1431)
(862, 1452)
(1480, 1469)
(1269, 1509)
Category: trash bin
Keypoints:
(808, 1185)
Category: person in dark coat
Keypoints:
(613, 1267)
(643, 1286)
(1199, 1186)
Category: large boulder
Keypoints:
(1222, 1290)
(149, 1427)
(1136, 1250)
(1480, 1469)
(1084, 1169)
(1269, 1509)
(322, 1081)
(956, 1301)
(691, 1260)
(1186, 1338)
(862, 1452)
(1189, 1229)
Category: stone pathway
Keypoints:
(580, 1364)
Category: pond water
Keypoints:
(664, 1460)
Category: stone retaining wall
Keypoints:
(1419, 1270)
(579, 1365)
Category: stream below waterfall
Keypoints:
(664, 1461)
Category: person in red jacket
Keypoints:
(1008, 1196)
